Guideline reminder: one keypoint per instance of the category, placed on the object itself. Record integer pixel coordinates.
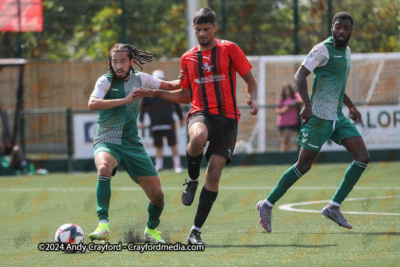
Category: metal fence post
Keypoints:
(123, 22)
(296, 20)
(69, 139)
(20, 105)
(330, 17)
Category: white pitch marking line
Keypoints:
(288, 207)
(222, 188)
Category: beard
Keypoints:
(204, 42)
(123, 77)
(340, 43)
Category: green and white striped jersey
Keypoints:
(331, 68)
(119, 125)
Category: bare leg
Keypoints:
(151, 185)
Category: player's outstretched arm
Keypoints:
(252, 90)
(170, 85)
(102, 104)
(300, 79)
(355, 115)
(176, 96)
(173, 85)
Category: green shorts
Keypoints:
(133, 158)
(317, 131)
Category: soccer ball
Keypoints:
(69, 233)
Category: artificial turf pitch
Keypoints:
(34, 207)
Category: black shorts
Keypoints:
(294, 128)
(158, 137)
(222, 133)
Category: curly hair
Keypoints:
(140, 57)
(342, 15)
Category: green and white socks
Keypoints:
(351, 176)
(286, 181)
(103, 195)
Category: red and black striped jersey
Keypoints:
(211, 77)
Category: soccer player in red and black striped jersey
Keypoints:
(209, 83)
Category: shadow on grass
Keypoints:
(271, 245)
(373, 233)
(353, 233)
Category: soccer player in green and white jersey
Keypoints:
(117, 140)
(323, 119)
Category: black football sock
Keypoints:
(194, 165)
(206, 201)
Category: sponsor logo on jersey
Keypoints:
(207, 68)
(114, 89)
(337, 56)
(210, 79)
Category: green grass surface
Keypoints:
(32, 209)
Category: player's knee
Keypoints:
(104, 169)
(304, 167)
(199, 137)
(364, 158)
(217, 164)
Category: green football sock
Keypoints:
(154, 216)
(286, 181)
(353, 173)
(103, 195)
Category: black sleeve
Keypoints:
(178, 111)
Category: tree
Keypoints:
(87, 29)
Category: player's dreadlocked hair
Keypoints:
(140, 57)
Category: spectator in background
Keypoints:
(11, 155)
(287, 110)
(162, 124)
